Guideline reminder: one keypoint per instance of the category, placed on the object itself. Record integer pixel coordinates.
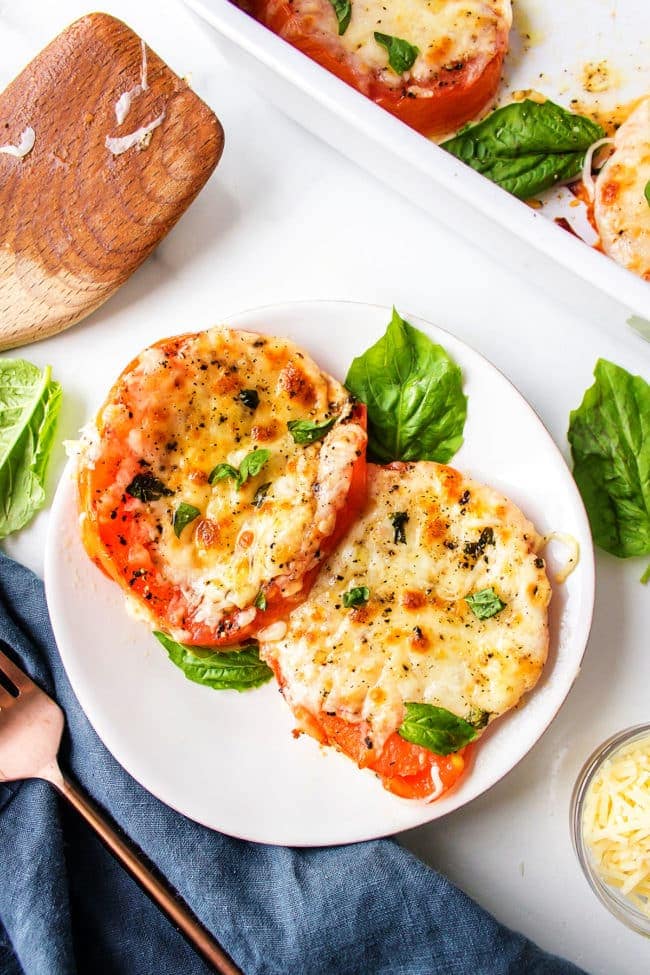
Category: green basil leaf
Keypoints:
(252, 464)
(222, 471)
(356, 597)
(260, 494)
(609, 435)
(526, 147)
(250, 398)
(436, 729)
(401, 54)
(477, 549)
(30, 401)
(484, 604)
(260, 601)
(146, 487)
(306, 431)
(183, 516)
(413, 391)
(398, 521)
(343, 11)
(232, 670)
(646, 192)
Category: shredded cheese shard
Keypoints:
(119, 144)
(25, 146)
(616, 823)
(123, 104)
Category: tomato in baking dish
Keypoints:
(435, 64)
(220, 472)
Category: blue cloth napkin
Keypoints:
(66, 907)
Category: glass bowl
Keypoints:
(619, 905)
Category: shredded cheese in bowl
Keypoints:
(611, 819)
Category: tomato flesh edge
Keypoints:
(405, 769)
(103, 544)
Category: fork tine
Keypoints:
(14, 673)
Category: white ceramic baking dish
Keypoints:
(551, 47)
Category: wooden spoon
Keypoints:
(79, 214)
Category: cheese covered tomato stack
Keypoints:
(220, 471)
(427, 622)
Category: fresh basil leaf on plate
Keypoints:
(343, 11)
(358, 596)
(146, 487)
(232, 670)
(485, 603)
(413, 391)
(30, 401)
(436, 729)
(527, 147)
(307, 431)
(184, 515)
(609, 435)
(401, 54)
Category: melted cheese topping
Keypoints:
(616, 822)
(416, 639)
(448, 33)
(621, 210)
(176, 413)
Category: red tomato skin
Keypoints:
(456, 96)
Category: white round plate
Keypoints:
(229, 760)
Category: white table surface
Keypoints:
(285, 217)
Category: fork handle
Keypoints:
(135, 863)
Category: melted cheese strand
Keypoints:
(587, 177)
(123, 104)
(574, 553)
(140, 138)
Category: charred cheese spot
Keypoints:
(175, 413)
(621, 210)
(422, 642)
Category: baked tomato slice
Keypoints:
(220, 472)
(433, 65)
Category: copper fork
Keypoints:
(31, 725)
